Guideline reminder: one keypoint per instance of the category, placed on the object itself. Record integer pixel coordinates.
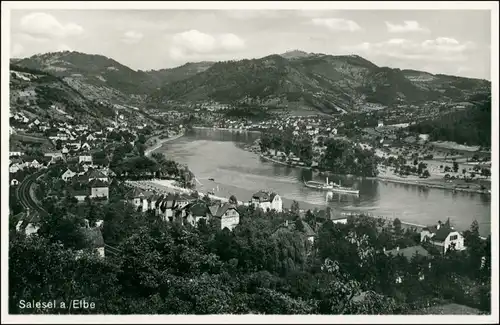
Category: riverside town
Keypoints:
(213, 175)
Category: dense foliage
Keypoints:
(471, 126)
(338, 155)
(261, 267)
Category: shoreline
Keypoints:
(159, 185)
(160, 143)
(394, 180)
(224, 129)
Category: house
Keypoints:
(409, 253)
(99, 189)
(70, 173)
(340, 219)
(85, 146)
(226, 214)
(15, 167)
(14, 182)
(33, 163)
(15, 154)
(95, 174)
(292, 226)
(196, 211)
(166, 207)
(443, 236)
(90, 137)
(84, 159)
(380, 124)
(80, 195)
(139, 198)
(266, 200)
(54, 156)
(27, 223)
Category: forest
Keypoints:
(471, 126)
(262, 267)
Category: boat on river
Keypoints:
(331, 187)
(319, 186)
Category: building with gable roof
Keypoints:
(266, 200)
(226, 214)
(443, 236)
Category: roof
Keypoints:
(439, 234)
(137, 193)
(308, 231)
(74, 192)
(98, 183)
(96, 174)
(408, 252)
(82, 178)
(219, 210)
(264, 196)
(198, 209)
(94, 236)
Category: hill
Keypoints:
(163, 76)
(470, 125)
(94, 76)
(40, 94)
(325, 82)
(292, 80)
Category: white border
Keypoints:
(223, 319)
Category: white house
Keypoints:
(85, 146)
(443, 236)
(14, 182)
(380, 124)
(266, 200)
(69, 173)
(15, 154)
(85, 159)
(35, 164)
(15, 167)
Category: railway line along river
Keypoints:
(216, 154)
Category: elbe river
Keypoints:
(217, 154)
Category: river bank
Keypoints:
(224, 129)
(160, 142)
(434, 183)
(165, 186)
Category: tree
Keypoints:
(298, 225)
(58, 144)
(295, 208)
(426, 173)
(233, 200)
(455, 167)
(397, 226)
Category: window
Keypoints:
(454, 237)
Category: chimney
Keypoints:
(397, 248)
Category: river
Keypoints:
(217, 154)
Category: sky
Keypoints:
(455, 42)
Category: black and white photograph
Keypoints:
(291, 162)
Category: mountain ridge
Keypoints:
(340, 83)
